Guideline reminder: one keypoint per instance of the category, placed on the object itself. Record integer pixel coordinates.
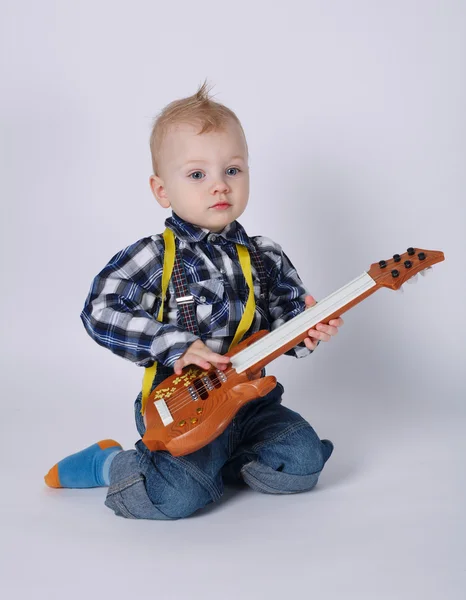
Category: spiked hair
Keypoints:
(198, 110)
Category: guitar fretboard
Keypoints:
(279, 337)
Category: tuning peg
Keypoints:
(425, 271)
(413, 279)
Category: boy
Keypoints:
(200, 163)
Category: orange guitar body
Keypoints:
(199, 420)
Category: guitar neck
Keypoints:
(259, 354)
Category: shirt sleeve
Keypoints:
(120, 311)
(286, 290)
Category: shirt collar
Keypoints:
(233, 232)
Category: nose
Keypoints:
(220, 187)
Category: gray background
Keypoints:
(355, 118)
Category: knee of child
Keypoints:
(185, 500)
(310, 453)
(300, 453)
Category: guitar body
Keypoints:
(186, 412)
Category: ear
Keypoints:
(158, 189)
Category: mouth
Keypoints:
(221, 206)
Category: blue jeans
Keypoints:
(268, 446)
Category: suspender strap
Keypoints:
(250, 309)
(172, 262)
(168, 263)
(184, 299)
(259, 264)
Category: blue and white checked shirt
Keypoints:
(121, 308)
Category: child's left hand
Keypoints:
(320, 332)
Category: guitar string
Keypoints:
(177, 402)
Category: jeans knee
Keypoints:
(139, 491)
(173, 489)
(298, 452)
(134, 503)
(183, 501)
(289, 465)
(311, 457)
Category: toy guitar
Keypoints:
(186, 412)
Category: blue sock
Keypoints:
(85, 469)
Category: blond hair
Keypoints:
(198, 109)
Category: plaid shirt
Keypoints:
(121, 308)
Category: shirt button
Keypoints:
(212, 237)
(222, 271)
(202, 299)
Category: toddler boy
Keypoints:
(200, 163)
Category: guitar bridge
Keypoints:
(221, 375)
(202, 386)
(164, 412)
(192, 390)
(208, 384)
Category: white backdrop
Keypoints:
(355, 120)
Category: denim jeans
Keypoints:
(268, 446)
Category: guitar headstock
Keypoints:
(394, 272)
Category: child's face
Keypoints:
(198, 172)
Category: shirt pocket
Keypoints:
(212, 306)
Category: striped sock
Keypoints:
(85, 469)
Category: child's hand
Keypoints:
(320, 332)
(199, 354)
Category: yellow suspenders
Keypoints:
(246, 319)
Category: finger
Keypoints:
(328, 329)
(310, 344)
(312, 333)
(203, 350)
(221, 366)
(213, 356)
(200, 361)
(191, 358)
(221, 358)
(336, 322)
(178, 367)
(318, 335)
(309, 301)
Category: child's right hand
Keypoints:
(199, 354)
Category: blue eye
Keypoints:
(195, 173)
(233, 169)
